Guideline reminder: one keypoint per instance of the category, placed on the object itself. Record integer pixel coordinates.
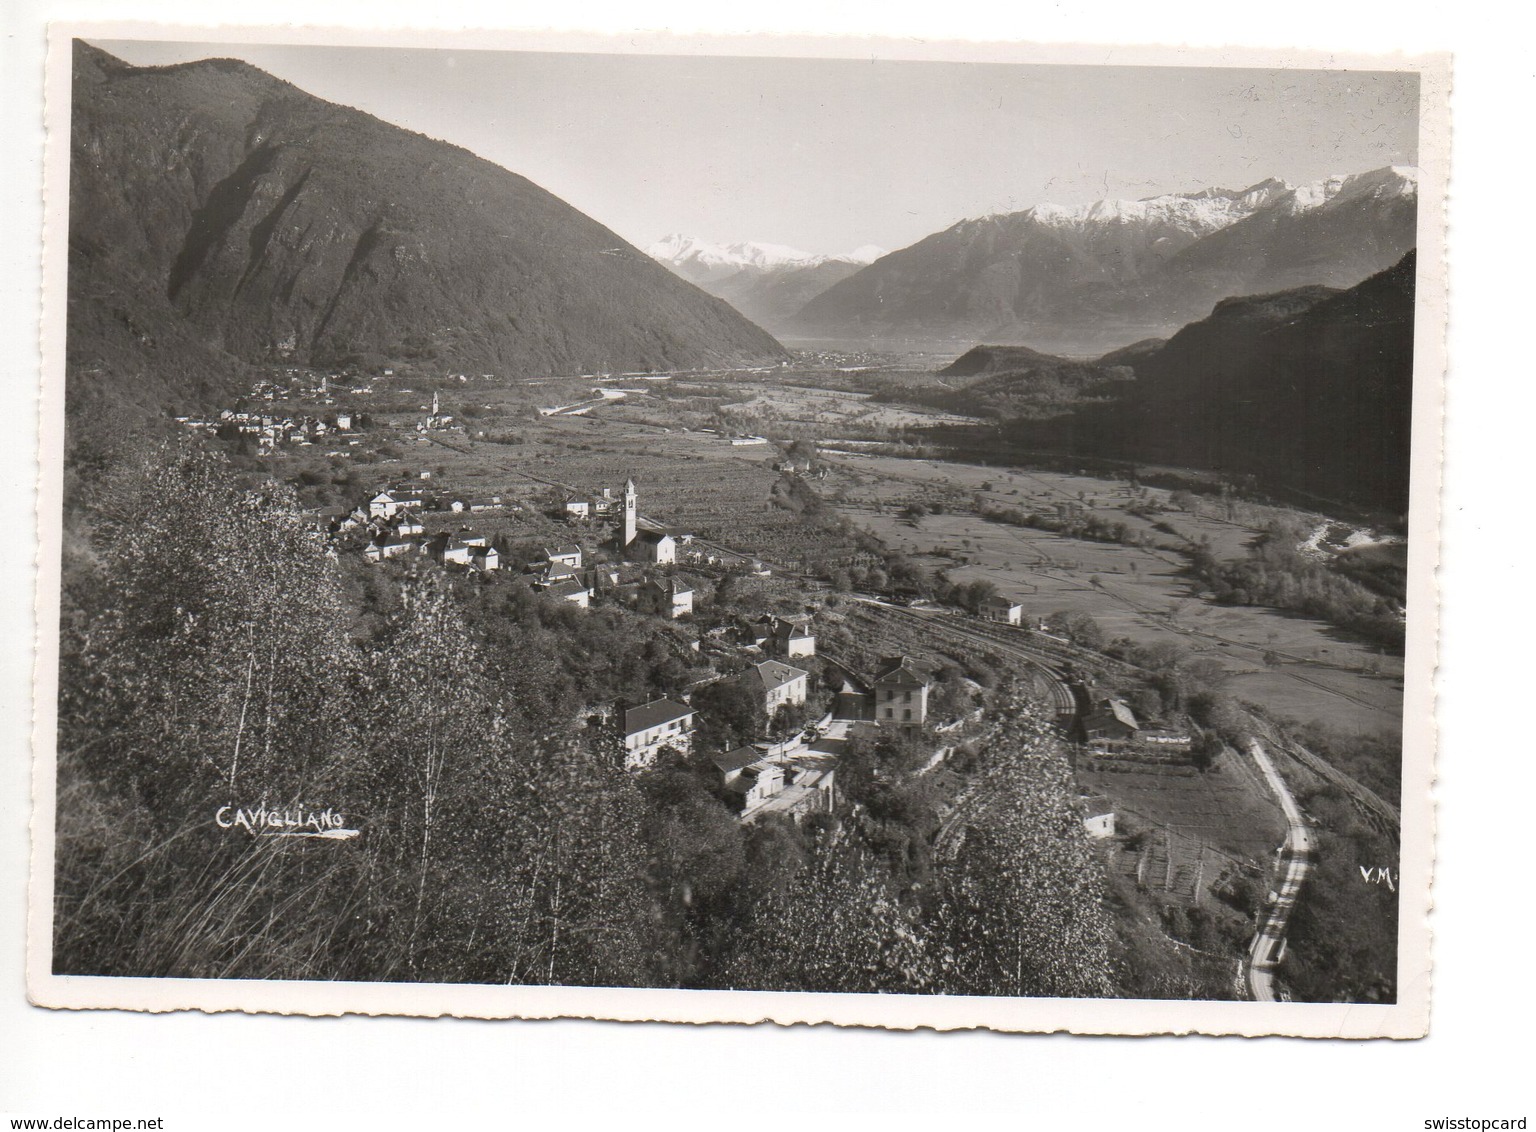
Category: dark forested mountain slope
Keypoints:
(997, 359)
(1015, 382)
(219, 213)
(1134, 354)
(1309, 390)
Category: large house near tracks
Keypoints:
(1109, 719)
(1003, 609)
(901, 688)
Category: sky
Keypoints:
(827, 155)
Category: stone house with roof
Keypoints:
(900, 690)
(405, 523)
(778, 684)
(1006, 610)
(664, 597)
(657, 547)
(1098, 817)
(654, 725)
(793, 636)
(388, 546)
(564, 555)
(747, 778)
(754, 785)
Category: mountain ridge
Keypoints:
(677, 249)
(768, 283)
(1114, 268)
(223, 217)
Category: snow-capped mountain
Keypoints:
(766, 282)
(1196, 214)
(677, 249)
(1124, 269)
(1393, 182)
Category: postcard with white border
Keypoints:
(721, 530)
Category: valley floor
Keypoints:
(1133, 592)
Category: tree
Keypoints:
(441, 709)
(730, 715)
(1077, 627)
(788, 719)
(974, 595)
(696, 849)
(836, 928)
(1021, 910)
(204, 665)
(544, 873)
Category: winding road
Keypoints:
(1295, 859)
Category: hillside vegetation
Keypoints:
(216, 661)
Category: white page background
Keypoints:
(234, 1072)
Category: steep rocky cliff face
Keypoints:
(220, 216)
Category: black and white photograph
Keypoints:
(547, 530)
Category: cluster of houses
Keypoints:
(393, 520)
(772, 683)
(270, 430)
(795, 777)
(269, 389)
(755, 782)
(558, 572)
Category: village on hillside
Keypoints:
(598, 548)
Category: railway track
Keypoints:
(1059, 651)
(1063, 700)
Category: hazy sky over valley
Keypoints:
(827, 155)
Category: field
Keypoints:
(695, 480)
(1204, 823)
(846, 410)
(1137, 592)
